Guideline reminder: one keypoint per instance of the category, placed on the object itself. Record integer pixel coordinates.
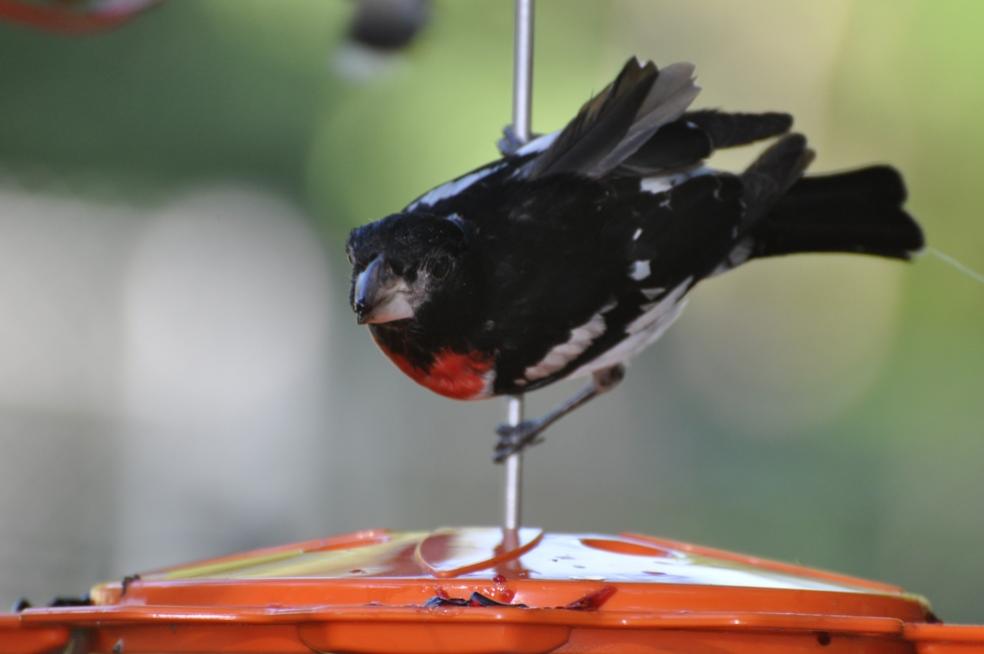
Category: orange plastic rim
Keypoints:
(483, 590)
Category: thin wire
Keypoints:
(522, 102)
(959, 265)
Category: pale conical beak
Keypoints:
(380, 296)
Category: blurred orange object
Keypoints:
(486, 590)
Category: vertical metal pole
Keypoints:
(523, 69)
(522, 100)
(514, 470)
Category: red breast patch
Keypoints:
(454, 375)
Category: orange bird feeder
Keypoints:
(487, 591)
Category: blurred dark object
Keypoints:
(58, 602)
(61, 601)
(20, 604)
(73, 16)
(388, 25)
(380, 32)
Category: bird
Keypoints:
(572, 253)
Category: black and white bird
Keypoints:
(571, 254)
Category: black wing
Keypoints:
(637, 127)
(614, 124)
(576, 281)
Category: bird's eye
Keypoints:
(440, 267)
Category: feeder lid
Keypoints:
(484, 590)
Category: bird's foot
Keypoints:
(516, 438)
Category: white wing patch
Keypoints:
(538, 144)
(560, 355)
(640, 270)
(641, 332)
(454, 187)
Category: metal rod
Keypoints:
(523, 70)
(514, 470)
(522, 101)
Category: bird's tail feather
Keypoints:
(858, 211)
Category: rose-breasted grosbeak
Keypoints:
(570, 254)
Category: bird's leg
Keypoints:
(514, 438)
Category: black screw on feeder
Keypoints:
(522, 101)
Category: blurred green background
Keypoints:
(181, 375)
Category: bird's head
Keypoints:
(406, 264)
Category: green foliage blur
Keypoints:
(825, 410)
